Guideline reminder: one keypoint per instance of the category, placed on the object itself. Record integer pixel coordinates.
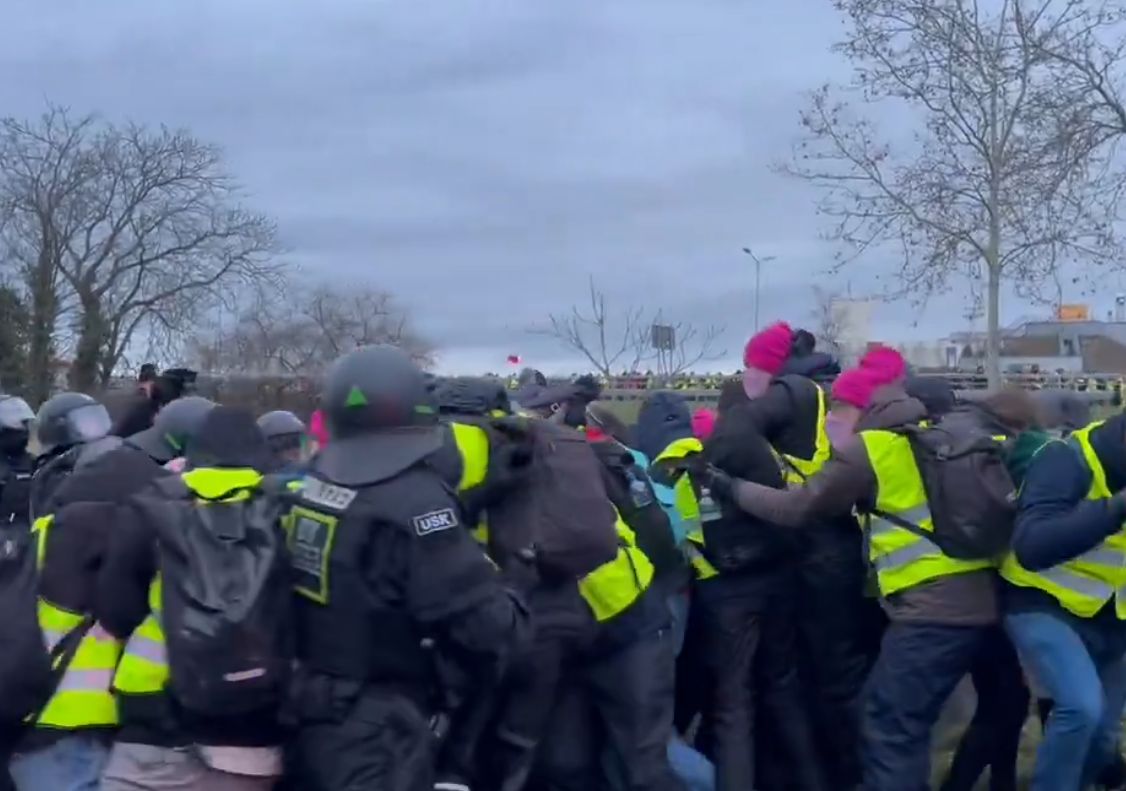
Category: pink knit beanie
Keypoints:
(885, 364)
(768, 350)
(703, 423)
(856, 387)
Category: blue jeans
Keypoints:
(1080, 662)
(693, 769)
(73, 763)
(918, 668)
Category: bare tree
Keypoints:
(1002, 181)
(121, 231)
(828, 321)
(611, 340)
(303, 332)
(619, 339)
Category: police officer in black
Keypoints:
(72, 430)
(387, 577)
(16, 464)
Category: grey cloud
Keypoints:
(480, 159)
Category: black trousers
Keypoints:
(379, 740)
(752, 663)
(623, 701)
(919, 666)
(993, 735)
(836, 649)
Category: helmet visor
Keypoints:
(15, 413)
(88, 423)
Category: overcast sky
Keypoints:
(480, 159)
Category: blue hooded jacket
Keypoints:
(664, 418)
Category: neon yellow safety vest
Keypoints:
(901, 558)
(143, 669)
(83, 698)
(797, 470)
(1084, 584)
(608, 590)
(688, 507)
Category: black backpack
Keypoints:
(631, 492)
(562, 515)
(970, 491)
(29, 672)
(226, 599)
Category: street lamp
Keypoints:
(758, 277)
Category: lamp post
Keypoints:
(758, 278)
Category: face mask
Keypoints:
(839, 429)
(756, 382)
(13, 442)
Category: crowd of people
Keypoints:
(447, 585)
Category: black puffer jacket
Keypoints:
(753, 555)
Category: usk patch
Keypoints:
(435, 521)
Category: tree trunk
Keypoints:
(993, 335)
(41, 336)
(86, 369)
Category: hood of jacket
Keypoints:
(816, 365)
(891, 408)
(664, 418)
(935, 393)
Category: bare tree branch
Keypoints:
(828, 319)
(122, 232)
(1007, 174)
(617, 340)
(281, 335)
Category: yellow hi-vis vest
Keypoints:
(797, 470)
(688, 507)
(901, 558)
(1085, 583)
(143, 669)
(83, 698)
(608, 590)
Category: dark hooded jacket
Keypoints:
(765, 551)
(664, 418)
(1056, 521)
(846, 481)
(229, 438)
(87, 508)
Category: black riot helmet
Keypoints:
(16, 418)
(473, 397)
(284, 432)
(70, 419)
(381, 416)
(173, 426)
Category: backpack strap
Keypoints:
(899, 521)
(61, 656)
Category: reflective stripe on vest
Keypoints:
(797, 470)
(611, 588)
(143, 669)
(901, 558)
(1084, 584)
(82, 698)
(688, 507)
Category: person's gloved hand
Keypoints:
(720, 484)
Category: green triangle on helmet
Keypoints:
(356, 398)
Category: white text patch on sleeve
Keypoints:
(435, 521)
